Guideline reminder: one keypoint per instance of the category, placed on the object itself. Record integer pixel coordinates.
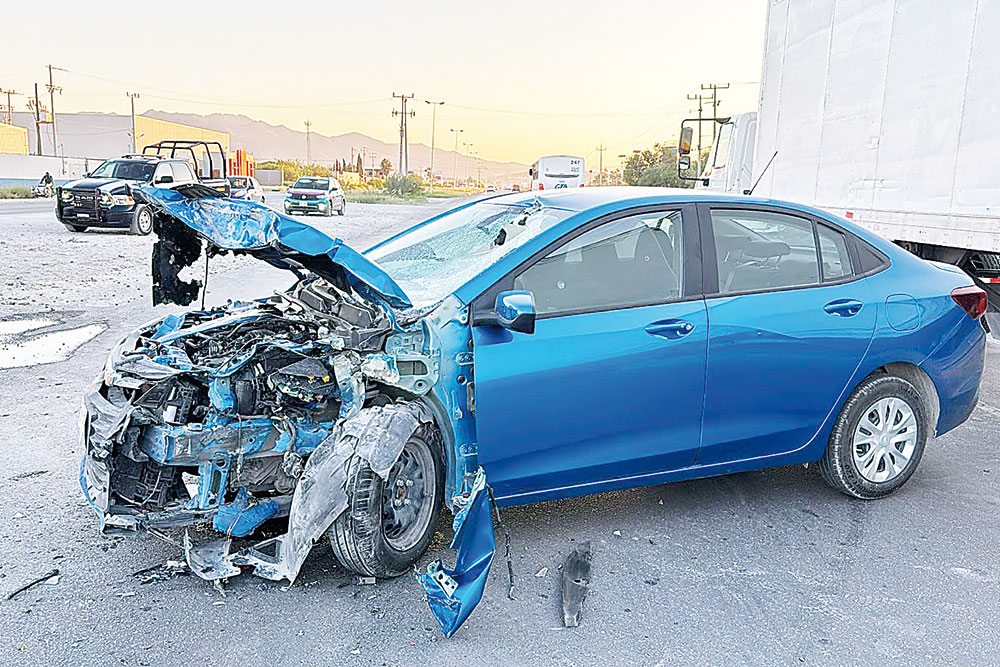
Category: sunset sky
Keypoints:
(522, 79)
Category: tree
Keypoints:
(656, 166)
(361, 165)
(384, 167)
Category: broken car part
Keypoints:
(452, 593)
(575, 584)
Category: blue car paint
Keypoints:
(245, 225)
(452, 593)
(597, 395)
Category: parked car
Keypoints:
(557, 341)
(315, 194)
(103, 198)
(246, 187)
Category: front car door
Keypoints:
(608, 388)
(789, 323)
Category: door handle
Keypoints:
(669, 329)
(843, 307)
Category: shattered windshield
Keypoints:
(131, 171)
(433, 260)
(312, 183)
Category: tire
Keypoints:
(891, 460)
(343, 207)
(359, 537)
(75, 228)
(142, 221)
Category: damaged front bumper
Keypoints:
(174, 439)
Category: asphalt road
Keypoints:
(766, 568)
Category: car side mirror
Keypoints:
(163, 179)
(684, 162)
(515, 310)
(86, 175)
(687, 137)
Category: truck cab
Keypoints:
(729, 167)
(103, 197)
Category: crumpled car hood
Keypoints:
(277, 239)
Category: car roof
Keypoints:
(621, 197)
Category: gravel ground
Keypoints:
(767, 568)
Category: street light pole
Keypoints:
(454, 167)
(468, 151)
(135, 137)
(434, 106)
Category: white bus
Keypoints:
(557, 171)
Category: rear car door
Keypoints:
(789, 324)
(609, 386)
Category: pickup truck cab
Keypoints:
(103, 198)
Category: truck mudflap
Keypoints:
(453, 593)
(991, 318)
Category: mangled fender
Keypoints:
(452, 594)
(376, 435)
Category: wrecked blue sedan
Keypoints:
(562, 344)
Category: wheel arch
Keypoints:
(919, 378)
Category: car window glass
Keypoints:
(182, 172)
(758, 250)
(870, 258)
(833, 250)
(162, 171)
(627, 262)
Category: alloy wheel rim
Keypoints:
(884, 440)
(407, 497)
(145, 221)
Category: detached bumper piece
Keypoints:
(453, 593)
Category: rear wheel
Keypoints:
(75, 228)
(142, 221)
(343, 207)
(389, 523)
(878, 438)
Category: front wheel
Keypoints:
(75, 228)
(389, 523)
(878, 438)
(142, 221)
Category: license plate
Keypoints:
(83, 215)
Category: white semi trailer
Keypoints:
(883, 111)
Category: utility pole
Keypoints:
(135, 137)
(404, 157)
(600, 161)
(715, 88)
(454, 169)
(37, 107)
(9, 115)
(53, 89)
(309, 153)
(434, 106)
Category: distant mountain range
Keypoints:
(268, 141)
(104, 135)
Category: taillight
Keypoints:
(541, 186)
(971, 299)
